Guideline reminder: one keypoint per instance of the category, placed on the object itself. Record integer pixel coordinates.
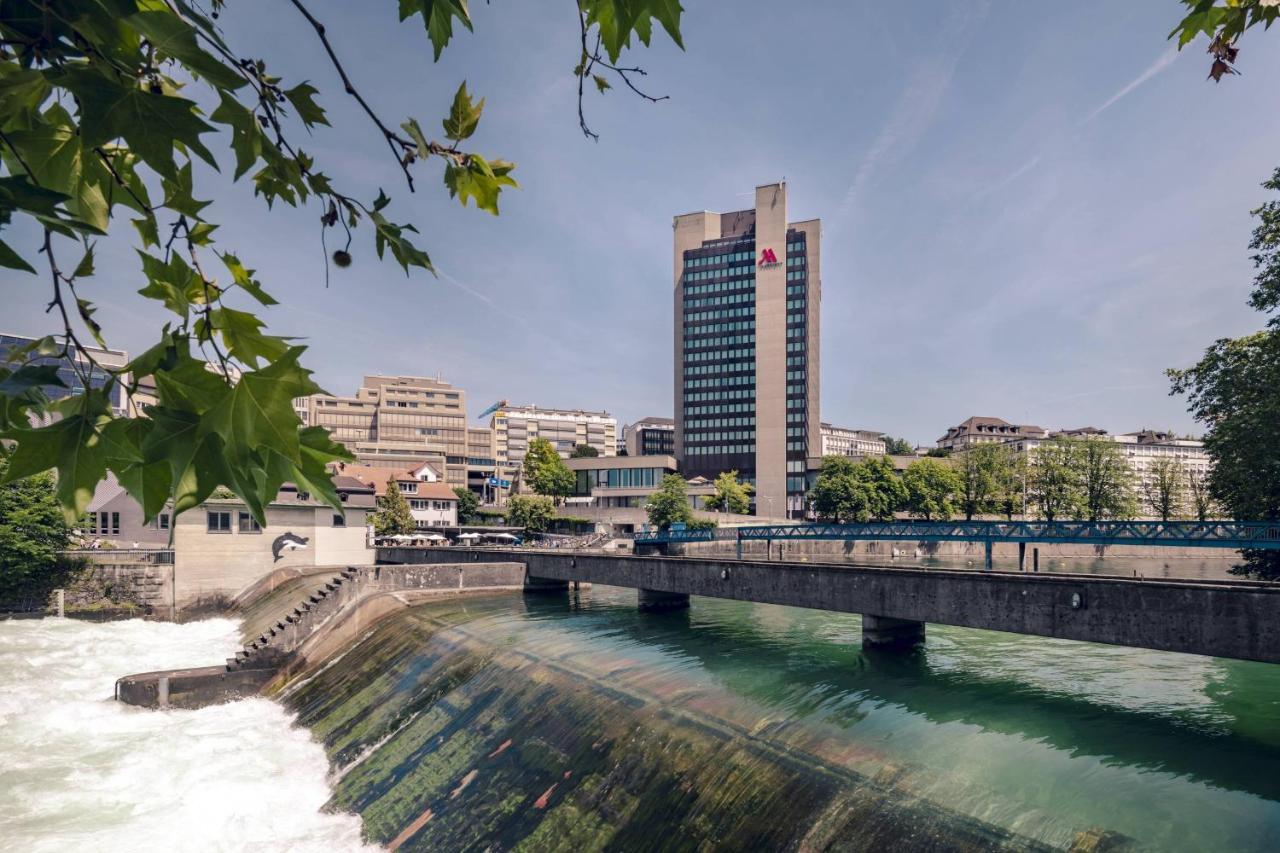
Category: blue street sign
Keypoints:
(501, 484)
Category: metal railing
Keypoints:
(151, 556)
(1262, 535)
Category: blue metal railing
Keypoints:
(1263, 535)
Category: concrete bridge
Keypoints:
(1230, 619)
(1222, 534)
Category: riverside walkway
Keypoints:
(1227, 618)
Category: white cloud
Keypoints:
(1162, 62)
(914, 111)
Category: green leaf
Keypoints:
(84, 269)
(72, 445)
(174, 37)
(246, 135)
(148, 230)
(11, 259)
(258, 411)
(22, 92)
(190, 385)
(479, 181)
(51, 151)
(302, 96)
(86, 310)
(30, 376)
(244, 279)
(616, 20)
(122, 440)
(438, 17)
(153, 125)
(388, 235)
(149, 483)
(464, 115)
(175, 284)
(414, 130)
(242, 333)
(178, 193)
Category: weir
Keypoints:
(1229, 619)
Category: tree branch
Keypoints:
(393, 138)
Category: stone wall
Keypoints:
(145, 588)
(319, 623)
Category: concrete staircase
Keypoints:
(266, 651)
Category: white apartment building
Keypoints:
(841, 441)
(1141, 450)
(515, 426)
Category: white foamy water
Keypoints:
(80, 771)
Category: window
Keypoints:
(161, 521)
(408, 488)
(248, 524)
(219, 522)
(339, 521)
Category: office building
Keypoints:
(841, 441)
(515, 426)
(984, 430)
(89, 361)
(748, 291)
(398, 421)
(650, 437)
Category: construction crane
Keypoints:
(501, 404)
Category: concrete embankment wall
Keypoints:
(340, 609)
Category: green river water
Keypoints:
(578, 723)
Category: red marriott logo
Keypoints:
(767, 258)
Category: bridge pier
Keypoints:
(1022, 556)
(990, 545)
(653, 601)
(538, 585)
(883, 632)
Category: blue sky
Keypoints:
(1030, 209)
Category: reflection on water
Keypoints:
(580, 723)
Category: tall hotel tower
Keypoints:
(747, 296)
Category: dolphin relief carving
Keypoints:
(287, 542)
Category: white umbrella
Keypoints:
(504, 536)
(434, 537)
(468, 535)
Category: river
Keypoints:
(578, 723)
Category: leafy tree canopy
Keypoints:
(545, 471)
(1223, 21)
(109, 111)
(584, 451)
(393, 517)
(731, 495)
(859, 491)
(984, 474)
(468, 505)
(897, 446)
(532, 512)
(32, 530)
(669, 503)
(931, 487)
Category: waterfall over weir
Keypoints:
(577, 723)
